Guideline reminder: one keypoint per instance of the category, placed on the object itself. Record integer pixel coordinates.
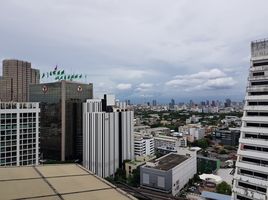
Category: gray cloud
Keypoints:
(205, 80)
(135, 42)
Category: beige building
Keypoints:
(5, 89)
(17, 76)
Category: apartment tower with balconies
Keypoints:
(251, 174)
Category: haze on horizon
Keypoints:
(139, 50)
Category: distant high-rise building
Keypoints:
(154, 103)
(251, 174)
(191, 103)
(19, 134)
(227, 103)
(207, 102)
(213, 103)
(128, 102)
(17, 76)
(172, 104)
(107, 136)
(61, 117)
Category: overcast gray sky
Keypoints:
(139, 49)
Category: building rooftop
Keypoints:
(215, 196)
(56, 182)
(168, 162)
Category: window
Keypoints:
(258, 73)
(260, 64)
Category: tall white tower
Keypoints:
(251, 174)
(107, 136)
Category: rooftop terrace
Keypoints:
(56, 182)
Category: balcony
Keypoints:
(251, 179)
(253, 154)
(249, 193)
(258, 119)
(256, 97)
(256, 108)
(254, 130)
(258, 88)
(256, 78)
(259, 68)
(254, 141)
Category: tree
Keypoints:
(134, 178)
(202, 143)
(224, 188)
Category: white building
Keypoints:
(193, 131)
(169, 173)
(19, 134)
(251, 175)
(169, 142)
(107, 136)
(143, 144)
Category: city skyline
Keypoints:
(139, 50)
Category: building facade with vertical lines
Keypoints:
(251, 174)
(107, 136)
(17, 76)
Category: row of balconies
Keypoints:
(256, 78)
(249, 165)
(249, 193)
(258, 88)
(252, 153)
(256, 108)
(259, 68)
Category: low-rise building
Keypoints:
(136, 163)
(193, 132)
(143, 144)
(170, 173)
(227, 136)
(170, 143)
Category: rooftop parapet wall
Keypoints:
(259, 48)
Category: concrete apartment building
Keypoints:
(19, 134)
(16, 77)
(193, 132)
(169, 173)
(228, 136)
(143, 144)
(61, 122)
(166, 144)
(107, 135)
(251, 174)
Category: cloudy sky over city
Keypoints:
(139, 49)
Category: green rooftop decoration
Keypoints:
(59, 75)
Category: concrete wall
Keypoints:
(156, 179)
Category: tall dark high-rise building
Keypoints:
(172, 104)
(61, 117)
(227, 103)
(17, 76)
(154, 102)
